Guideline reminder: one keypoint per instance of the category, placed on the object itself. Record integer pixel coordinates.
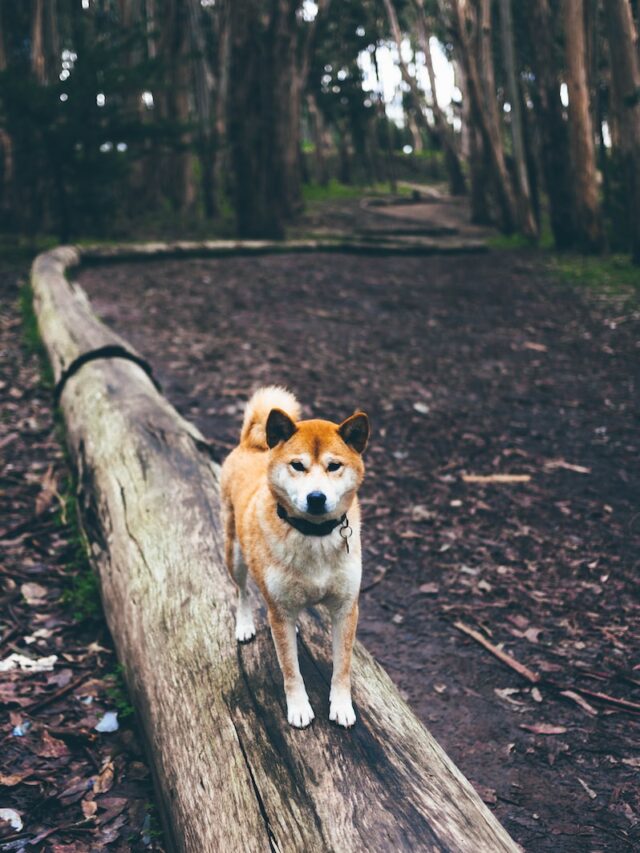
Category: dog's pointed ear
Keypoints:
(279, 428)
(355, 431)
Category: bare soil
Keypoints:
(475, 364)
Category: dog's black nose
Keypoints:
(316, 502)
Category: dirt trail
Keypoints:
(467, 365)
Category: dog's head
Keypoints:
(316, 466)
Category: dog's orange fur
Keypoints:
(293, 570)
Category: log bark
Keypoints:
(231, 774)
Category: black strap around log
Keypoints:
(108, 351)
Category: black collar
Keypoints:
(308, 528)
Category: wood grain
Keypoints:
(231, 774)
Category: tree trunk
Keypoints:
(230, 773)
(554, 141)
(203, 85)
(479, 70)
(263, 115)
(457, 182)
(527, 220)
(625, 70)
(175, 48)
(588, 218)
(318, 134)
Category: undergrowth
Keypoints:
(118, 694)
(611, 275)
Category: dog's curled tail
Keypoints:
(257, 410)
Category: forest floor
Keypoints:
(471, 364)
(65, 785)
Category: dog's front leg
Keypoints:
(344, 623)
(283, 628)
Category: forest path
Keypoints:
(425, 214)
(467, 364)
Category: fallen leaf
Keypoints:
(422, 408)
(544, 728)
(429, 588)
(89, 808)
(48, 490)
(552, 464)
(532, 345)
(487, 795)
(590, 792)
(14, 778)
(581, 701)
(49, 746)
(104, 780)
(33, 593)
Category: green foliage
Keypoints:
(118, 693)
(612, 275)
(75, 139)
(82, 592)
(514, 242)
(334, 190)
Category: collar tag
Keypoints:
(346, 532)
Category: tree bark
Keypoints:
(263, 114)
(588, 219)
(554, 141)
(457, 182)
(175, 48)
(231, 774)
(528, 224)
(625, 71)
(479, 71)
(203, 87)
(440, 131)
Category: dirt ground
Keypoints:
(474, 364)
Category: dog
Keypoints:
(290, 518)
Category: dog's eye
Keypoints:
(297, 466)
(334, 466)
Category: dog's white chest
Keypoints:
(313, 573)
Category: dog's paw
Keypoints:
(341, 712)
(299, 712)
(245, 631)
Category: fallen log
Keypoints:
(230, 773)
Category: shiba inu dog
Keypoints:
(290, 517)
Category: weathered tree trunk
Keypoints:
(588, 218)
(231, 774)
(457, 182)
(262, 115)
(440, 131)
(626, 73)
(175, 48)
(318, 133)
(554, 143)
(203, 85)
(528, 224)
(479, 74)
